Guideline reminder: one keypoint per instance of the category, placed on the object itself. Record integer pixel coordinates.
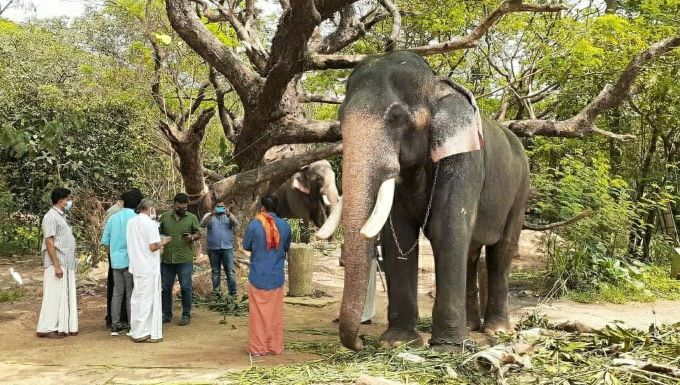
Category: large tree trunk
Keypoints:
(191, 169)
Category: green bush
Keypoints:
(592, 250)
(652, 283)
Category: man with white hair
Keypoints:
(144, 244)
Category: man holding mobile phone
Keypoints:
(220, 224)
(178, 256)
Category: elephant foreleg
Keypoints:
(402, 282)
(450, 229)
(472, 304)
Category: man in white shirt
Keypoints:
(144, 246)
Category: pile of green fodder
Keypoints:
(226, 305)
(341, 366)
(536, 355)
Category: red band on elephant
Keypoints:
(271, 231)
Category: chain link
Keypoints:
(402, 255)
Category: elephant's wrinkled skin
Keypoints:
(302, 195)
(396, 118)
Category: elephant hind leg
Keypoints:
(472, 303)
(498, 261)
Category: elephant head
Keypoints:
(310, 194)
(396, 114)
(317, 182)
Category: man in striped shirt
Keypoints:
(59, 311)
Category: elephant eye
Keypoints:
(397, 115)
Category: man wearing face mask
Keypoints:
(178, 256)
(114, 239)
(220, 224)
(59, 311)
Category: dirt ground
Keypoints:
(202, 352)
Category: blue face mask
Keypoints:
(220, 210)
(69, 204)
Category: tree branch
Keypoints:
(171, 134)
(197, 130)
(610, 97)
(306, 131)
(248, 179)
(190, 28)
(156, 82)
(3, 9)
(550, 226)
(195, 104)
(246, 31)
(306, 98)
(470, 40)
(226, 116)
(288, 51)
(327, 8)
(211, 175)
(391, 7)
(344, 36)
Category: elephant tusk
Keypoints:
(331, 224)
(381, 211)
(325, 200)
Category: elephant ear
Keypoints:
(456, 125)
(301, 182)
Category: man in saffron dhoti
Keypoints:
(144, 245)
(59, 311)
(268, 239)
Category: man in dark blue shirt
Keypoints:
(220, 224)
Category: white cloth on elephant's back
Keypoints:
(468, 135)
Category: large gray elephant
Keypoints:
(310, 194)
(417, 155)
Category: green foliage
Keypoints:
(650, 284)
(69, 117)
(17, 236)
(589, 249)
(226, 305)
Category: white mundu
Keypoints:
(145, 265)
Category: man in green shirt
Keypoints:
(178, 256)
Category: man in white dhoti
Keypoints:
(144, 245)
(59, 311)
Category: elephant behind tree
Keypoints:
(417, 154)
(310, 194)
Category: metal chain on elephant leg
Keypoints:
(402, 255)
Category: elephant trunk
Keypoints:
(362, 175)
